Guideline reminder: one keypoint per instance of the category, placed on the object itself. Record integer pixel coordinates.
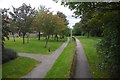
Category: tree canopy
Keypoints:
(23, 16)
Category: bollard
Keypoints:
(49, 48)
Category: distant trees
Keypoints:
(23, 16)
(90, 19)
(102, 19)
(77, 29)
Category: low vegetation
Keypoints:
(90, 45)
(18, 67)
(62, 66)
(8, 55)
(34, 46)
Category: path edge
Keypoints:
(73, 65)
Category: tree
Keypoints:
(77, 29)
(13, 28)
(49, 24)
(5, 23)
(23, 16)
(62, 32)
(63, 16)
(36, 22)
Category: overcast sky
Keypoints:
(36, 3)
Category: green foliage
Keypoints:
(63, 16)
(103, 19)
(37, 19)
(8, 55)
(23, 17)
(18, 67)
(62, 66)
(77, 29)
(49, 24)
(13, 26)
(5, 23)
(109, 47)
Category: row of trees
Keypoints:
(25, 19)
(101, 19)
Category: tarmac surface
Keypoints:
(82, 66)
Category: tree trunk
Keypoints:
(88, 34)
(62, 36)
(39, 36)
(23, 38)
(52, 35)
(56, 37)
(27, 39)
(13, 36)
(47, 40)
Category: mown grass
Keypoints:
(34, 46)
(61, 67)
(89, 45)
(18, 67)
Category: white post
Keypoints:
(71, 34)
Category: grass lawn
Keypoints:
(34, 46)
(61, 67)
(18, 67)
(89, 45)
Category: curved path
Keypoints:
(46, 62)
(82, 66)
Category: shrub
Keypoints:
(109, 51)
(7, 55)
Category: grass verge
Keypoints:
(89, 45)
(34, 46)
(62, 66)
(18, 67)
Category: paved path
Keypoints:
(46, 62)
(82, 66)
(38, 57)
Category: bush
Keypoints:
(7, 55)
(109, 51)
